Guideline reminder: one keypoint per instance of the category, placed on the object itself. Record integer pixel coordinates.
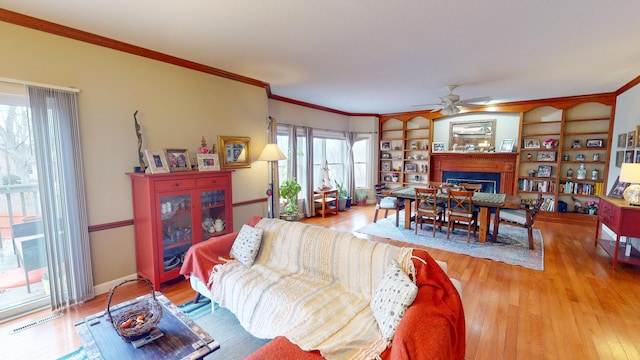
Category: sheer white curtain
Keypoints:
(57, 145)
(351, 179)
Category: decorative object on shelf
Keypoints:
(594, 143)
(271, 153)
(437, 146)
(596, 156)
(414, 145)
(630, 173)
(592, 207)
(143, 167)
(577, 205)
(547, 155)
(550, 143)
(544, 171)
(532, 173)
(219, 225)
(394, 177)
(385, 156)
(576, 144)
(530, 143)
(157, 161)
(506, 145)
(529, 157)
(396, 148)
(582, 172)
(594, 174)
(178, 159)
(565, 157)
(208, 162)
(203, 149)
(570, 173)
(385, 145)
(410, 167)
(236, 152)
(580, 157)
(385, 166)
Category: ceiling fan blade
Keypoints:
(478, 100)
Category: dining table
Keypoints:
(484, 201)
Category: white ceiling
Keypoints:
(381, 56)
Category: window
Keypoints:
(362, 162)
(333, 151)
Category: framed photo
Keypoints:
(628, 156)
(208, 162)
(547, 156)
(385, 145)
(619, 158)
(385, 166)
(157, 161)
(385, 156)
(386, 178)
(618, 189)
(178, 159)
(235, 151)
(530, 143)
(544, 171)
(637, 156)
(576, 144)
(506, 145)
(631, 139)
(622, 140)
(594, 143)
(410, 167)
(638, 136)
(437, 146)
(414, 145)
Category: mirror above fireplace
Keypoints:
(475, 135)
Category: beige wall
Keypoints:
(176, 107)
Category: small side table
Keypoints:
(182, 339)
(327, 200)
(623, 220)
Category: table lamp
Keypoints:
(272, 154)
(630, 173)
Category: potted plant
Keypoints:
(592, 207)
(289, 190)
(343, 196)
(362, 196)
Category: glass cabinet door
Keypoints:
(214, 219)
(175, 211)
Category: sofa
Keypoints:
(314, 292)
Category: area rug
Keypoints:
(512, 246)
(222, 325)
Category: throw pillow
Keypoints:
(245, 247)
(393, 296)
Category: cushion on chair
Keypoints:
(388, 202)
(515, 216)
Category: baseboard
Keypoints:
(106, 287)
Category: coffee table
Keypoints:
(182, 337)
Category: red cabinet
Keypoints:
(173, 211)
(623, 220)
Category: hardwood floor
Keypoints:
(577, 308)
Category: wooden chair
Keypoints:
(387, 203)
(471, 187)
(522, 218)
(427, 207)
(460, 211)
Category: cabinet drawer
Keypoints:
(608, 214)
(177, 184)
(213, 181)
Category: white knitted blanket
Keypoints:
(312, 285)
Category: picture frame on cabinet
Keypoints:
(236, 152)
(208, 162)
(547, 156)
(385, 145)
(594, 143)
(178, 159)
(530, 143)
(157, 161)
(619, 158)
(622, 140)
(544, 171)
(437, 146)
(385, 166)
(631, 139)
(507, 145)
(618, 188)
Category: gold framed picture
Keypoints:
(235, 152)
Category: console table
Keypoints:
(623, 220)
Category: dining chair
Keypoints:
(471, 187)
(524, 218)
(428, 208)
(386, 203)
(460, 211)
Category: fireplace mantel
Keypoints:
(503, 163)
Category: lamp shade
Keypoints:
(271, 152)
(630, 173)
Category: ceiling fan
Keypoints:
(450, 104)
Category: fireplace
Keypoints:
(490, 181)
(501, 165)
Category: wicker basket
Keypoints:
(148, 307)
